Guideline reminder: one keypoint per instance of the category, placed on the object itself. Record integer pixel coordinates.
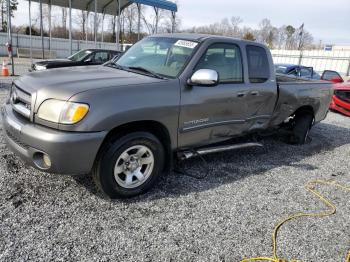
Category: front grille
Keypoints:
(20, 101)
(343, 95)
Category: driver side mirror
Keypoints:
(204, 77)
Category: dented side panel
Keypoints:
(295, 95)
(213, 114)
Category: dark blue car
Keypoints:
(297, 70)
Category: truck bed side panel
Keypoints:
(299, 93)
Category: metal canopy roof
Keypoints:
(110, 7)
(162, 4)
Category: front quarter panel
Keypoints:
(115, 106)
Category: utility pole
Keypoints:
(95, 24)
(138, 21)
(301, 33)
(9, 33)
(70, 28)
(30, 32)
(42, 29)
(2, 15)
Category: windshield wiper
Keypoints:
(133, 69)
(149, 72)
(114, 65)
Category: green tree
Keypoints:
(249, 36)
(3, 6)
(34, 31)
(290, 30)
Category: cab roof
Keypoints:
(201, 37)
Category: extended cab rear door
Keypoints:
(239, 103)
(261, 87)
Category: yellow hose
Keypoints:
(310, 186)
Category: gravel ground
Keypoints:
(227, 216)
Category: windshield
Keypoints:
(162, 56)
(80, 55)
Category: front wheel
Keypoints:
(129, 166)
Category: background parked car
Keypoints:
(297, 70)
(84, 57)
(341, 98)
(308, 72)
(332, 76)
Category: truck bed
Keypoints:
(295, 93)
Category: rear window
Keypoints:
(258, 64)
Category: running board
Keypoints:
(209, 150)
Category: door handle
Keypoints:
(254, 93)
(241, 94)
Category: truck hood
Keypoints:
(342, 86)
(63, 83)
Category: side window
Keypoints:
(329, 75)
(258, 64)
(100, 57)
(226, 60)
(294, 72)
(306, 72)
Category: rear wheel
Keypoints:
(301, 128)
(129, 166)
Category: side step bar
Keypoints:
(204, 151)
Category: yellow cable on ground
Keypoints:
(310, 186)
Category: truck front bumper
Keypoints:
(66, 152)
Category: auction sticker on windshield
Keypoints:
(185, 43)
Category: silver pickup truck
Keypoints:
(167, 96)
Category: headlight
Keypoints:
(40, 67)
(62, 112)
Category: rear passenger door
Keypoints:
(261, 88)
(211, 114)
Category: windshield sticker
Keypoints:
(187, 44)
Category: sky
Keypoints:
(327, 20)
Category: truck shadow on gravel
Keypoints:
(228, 167)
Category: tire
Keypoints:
(129, 166)
(301, 128)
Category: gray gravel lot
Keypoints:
(225, 217)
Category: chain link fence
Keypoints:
(60, 47)
(320, 60)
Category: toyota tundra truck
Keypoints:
(168, 96)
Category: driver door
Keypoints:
(211, 114)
